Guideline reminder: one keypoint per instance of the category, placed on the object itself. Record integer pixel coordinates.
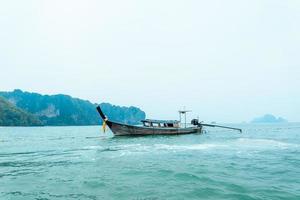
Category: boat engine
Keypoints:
(195, 122)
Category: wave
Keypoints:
(139, 148)
(264, 143)
(186, 147)
(247, 144)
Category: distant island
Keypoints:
(268, 118)
(19, 108)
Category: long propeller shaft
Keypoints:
(218, 126)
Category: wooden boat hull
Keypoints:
(130, 130)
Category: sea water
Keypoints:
(85, 163)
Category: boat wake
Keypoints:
(240, 144)
(186, 147)
(155, 148)
(263, 143)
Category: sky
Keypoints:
(228, 61)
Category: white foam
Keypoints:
(138, 148)
(185, 147)
(92, 147)
(263, 142)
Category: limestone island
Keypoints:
(268, 118)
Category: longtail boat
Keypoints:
(156, 127)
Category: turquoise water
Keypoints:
(84, 163)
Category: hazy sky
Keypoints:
(228, 61)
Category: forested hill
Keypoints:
(10, 115)
(59, 110)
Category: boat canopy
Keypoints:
(160, 123)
